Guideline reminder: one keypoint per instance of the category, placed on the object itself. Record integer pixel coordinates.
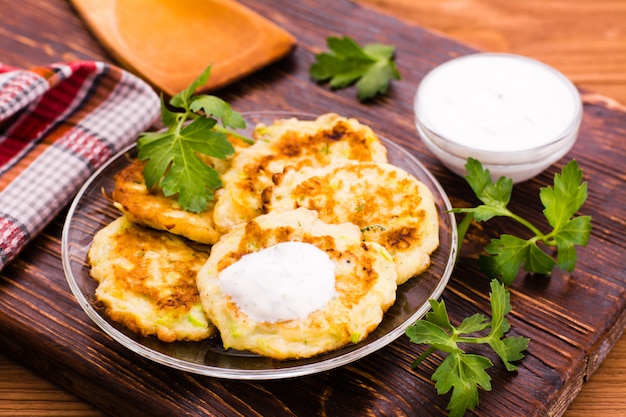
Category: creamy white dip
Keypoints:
(497, 102)
(283, 282)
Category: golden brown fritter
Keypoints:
(289, 143)
(365, 285)
(391, 207)
(152, 208)
(147, 281)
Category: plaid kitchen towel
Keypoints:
(58, 124)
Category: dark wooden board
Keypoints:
(572, 319)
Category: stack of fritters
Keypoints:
(325, 182)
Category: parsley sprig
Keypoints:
(508, 254)
(464, 372)
(191, 128)
(371, 67)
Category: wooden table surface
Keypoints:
(585, 39)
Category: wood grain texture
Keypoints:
(584, 39)
(573, 319)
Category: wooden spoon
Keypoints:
(170, 42)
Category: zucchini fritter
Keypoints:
(365, 285)
(154, 209)
(289, 143)
(147, 281)
(391, 207)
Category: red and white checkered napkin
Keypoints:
(58, 124)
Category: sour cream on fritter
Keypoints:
(283, 282)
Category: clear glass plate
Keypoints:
(92, 209)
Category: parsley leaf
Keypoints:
(464, 372)
(371, 67)
(190, 129)
(508, 254)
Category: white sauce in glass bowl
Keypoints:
(497, 103)
(514, 114)
(286, 281)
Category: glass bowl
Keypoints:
(92, 209)
(515, 115)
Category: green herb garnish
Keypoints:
(372, 66)
(508, 254)
(192, 128)
(463, 372)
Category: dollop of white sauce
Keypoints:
(497, 102)
(286, 281)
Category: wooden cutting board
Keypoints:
(571, 319)
(170, 42)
